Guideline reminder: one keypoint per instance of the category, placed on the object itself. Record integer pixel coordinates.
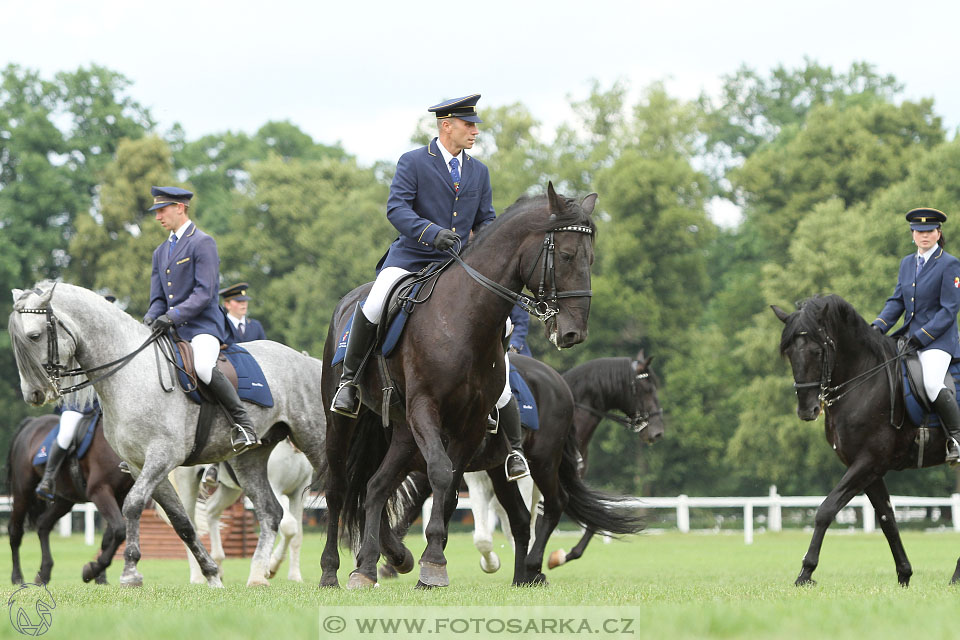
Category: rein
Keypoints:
(542, 307)
(56, 371)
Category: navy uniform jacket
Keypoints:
(521, 325)
(929, 302)
(185, 285)
(252, 330)
(423, 201)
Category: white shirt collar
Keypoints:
(447, 156)
(929, 253)
(236, 321)
(182, 230)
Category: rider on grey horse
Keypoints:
(183, 294)
(437, 189)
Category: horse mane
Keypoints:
(833, 314)
(571, 214)
(606, 374)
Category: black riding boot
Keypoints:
(946, 406)
(515, 464)
(362, 334)
(244, 435)
(55, 458)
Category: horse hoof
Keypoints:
(214, 582)
(407, 565)
(39, 579)
(135, 580)
(271, 574)
(423, 586)
(540, 580)
(255, 581)
(491, 564)
(388, 572)
(556, 559)
(433, 575)
(360, 581)
(329, 582)
(90, 572)
(806, 582)
(101, 579)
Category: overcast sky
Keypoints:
(363, 73)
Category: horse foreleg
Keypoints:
(188, 487)
(508, 493)
(339, 429)
(251, 469)
(45, 524)
(484, 522)
(880, 499)
(103, 497)
(218, 501)
(294, 538)
(855, 480)
(166, 496)
(416, 489)
(15, 531)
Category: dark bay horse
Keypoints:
(841, 368)
(105, 485)
(599, 387)
(449, 370)
(553, 457)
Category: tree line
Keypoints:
(822, 164)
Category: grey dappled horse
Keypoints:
(289, 472)
(151, 425)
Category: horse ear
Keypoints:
(16, 294)
(553, 199)
(783, 315)
(588, 203)
(47, 295)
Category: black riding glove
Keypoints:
(877, 328)
(914, 344)
(445, 239)
(163, 323)
(148, 321)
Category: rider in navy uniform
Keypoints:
(439, 194)
(928, 296)
(241, 327)
(520, 320)
(183, 294)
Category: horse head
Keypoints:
(555, 265)
(33, 334)
(811, 352)
(648, 416)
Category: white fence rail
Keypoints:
(773, 503)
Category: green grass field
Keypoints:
(671, 585)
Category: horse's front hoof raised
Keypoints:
(407, 565)
(90, 572)
(556, 559)
(433, 575)
(360, 581)
(490, 563)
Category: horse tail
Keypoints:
(591, 508)
(368, 448)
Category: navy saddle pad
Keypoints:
(528, 406)
(915, 410)
(391, 336)
(251, 384)
(89, 419)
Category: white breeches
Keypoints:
(206, 350)
(373, 307)
(68, 427)
(935, 364)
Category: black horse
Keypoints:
(554, 466)
(599, 387)
(843, 368)
(103, 484)
(449, 371)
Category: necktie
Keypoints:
(241, 328)
(919, 264)
(173, 245)
(455, 173)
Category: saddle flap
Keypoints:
(186, 357)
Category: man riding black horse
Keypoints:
(436, 190)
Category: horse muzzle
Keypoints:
(809, 414)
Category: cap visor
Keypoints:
(924, 227)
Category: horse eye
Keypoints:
(34, 337)
(567, 257)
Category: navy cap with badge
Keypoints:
(162, 196)
(236, 292)
(925, 219)
(464, 108)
